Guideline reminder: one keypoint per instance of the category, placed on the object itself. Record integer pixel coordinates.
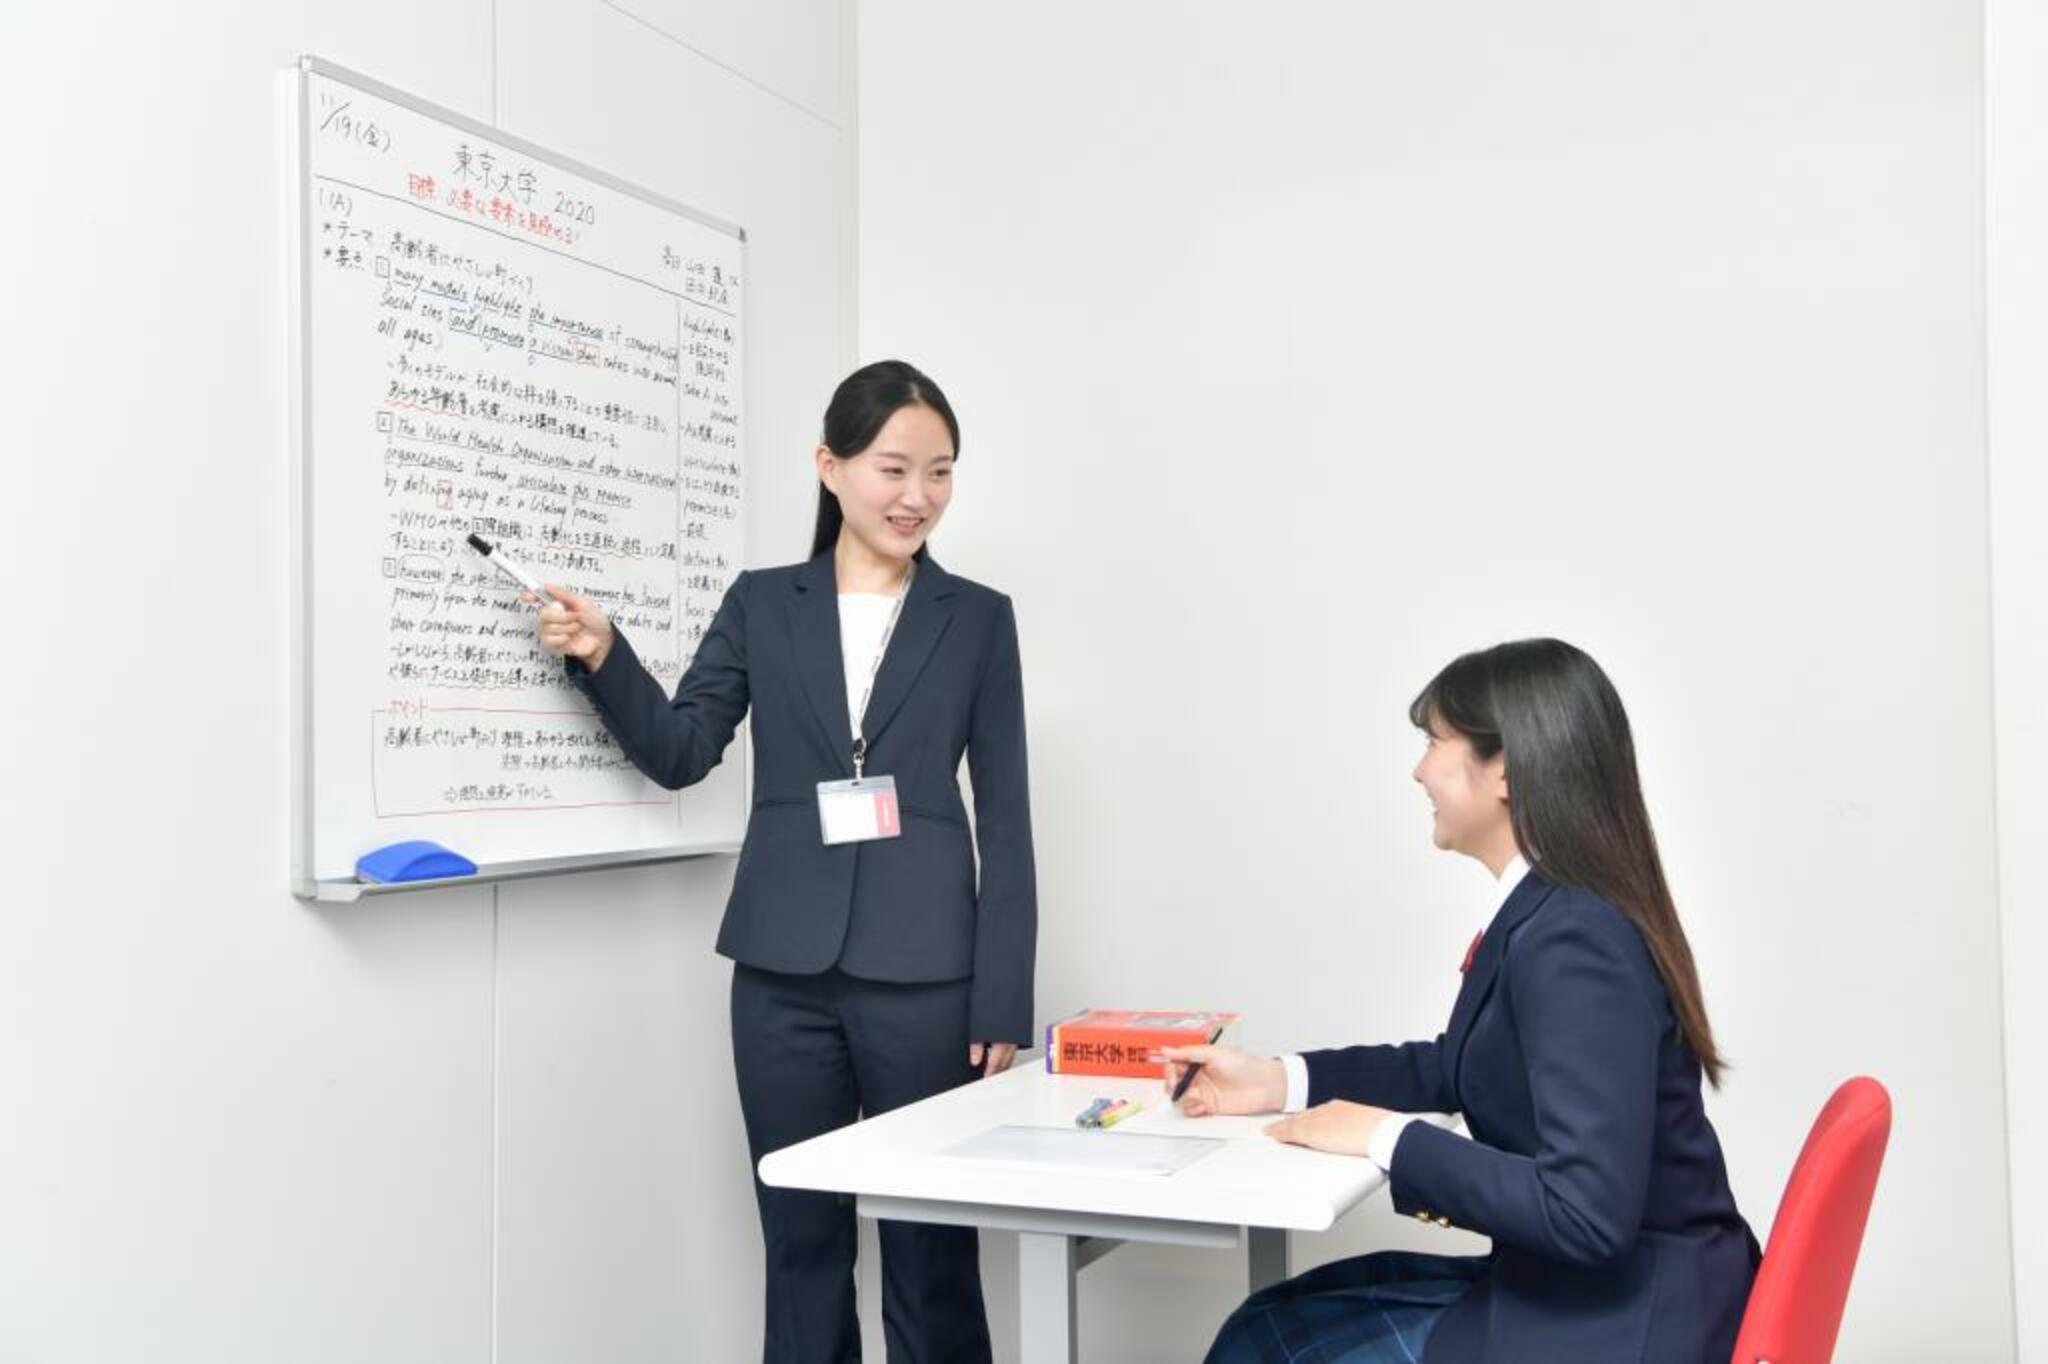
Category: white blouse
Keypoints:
(863, 619)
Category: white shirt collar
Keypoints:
(1510, 876)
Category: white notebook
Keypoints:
(1091, 1151)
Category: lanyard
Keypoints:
(860, 742)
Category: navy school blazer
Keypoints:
(906, 909)
(1591, 1162)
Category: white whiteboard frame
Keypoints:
(298, 290)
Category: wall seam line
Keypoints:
(724, 66)
(1991, 652)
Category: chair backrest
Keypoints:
(1795, 1309)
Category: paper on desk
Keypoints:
(1093, 1152)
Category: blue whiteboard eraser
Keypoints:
(417, 860)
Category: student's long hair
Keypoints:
(861, 406)
(1573, 794)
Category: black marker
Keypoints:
(510, 569)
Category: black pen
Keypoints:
(1187, 1077)
(511, 570)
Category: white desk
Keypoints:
(1249, 1193)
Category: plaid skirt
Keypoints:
(1364, 1310)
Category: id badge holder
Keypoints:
(858, 811)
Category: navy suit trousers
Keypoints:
(812, 1054)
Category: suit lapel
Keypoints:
(814, 635)
(927, 611)
(1523, 901)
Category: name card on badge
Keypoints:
(858, 811)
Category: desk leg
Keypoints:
(1045, 1297)
(1268, 1255)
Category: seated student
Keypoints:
(1574, 1052)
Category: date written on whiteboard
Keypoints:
(339, 119)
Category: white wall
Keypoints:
(1299, 348)
(2016, 284)
(466, 1126)
(1333, 339)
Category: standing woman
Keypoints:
(1575, 1052)
(872, 969)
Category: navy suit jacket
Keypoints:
(1591, 1163)
(906, 909)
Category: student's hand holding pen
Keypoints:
(1227, 1080)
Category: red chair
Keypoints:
(1795, 1309)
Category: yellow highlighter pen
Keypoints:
(1120, 1112)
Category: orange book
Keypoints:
(1126, 1041)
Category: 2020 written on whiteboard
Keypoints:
(495, 340)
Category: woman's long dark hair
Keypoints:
(861, 406)
(1573, 794)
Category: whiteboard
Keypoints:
(492, 338)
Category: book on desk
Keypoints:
(1126, 1041)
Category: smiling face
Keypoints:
(1468, 795)
(893, 493)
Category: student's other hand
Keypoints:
(577, 627)
(1230, 1081)
(999, 1055)
(1345, 1128)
